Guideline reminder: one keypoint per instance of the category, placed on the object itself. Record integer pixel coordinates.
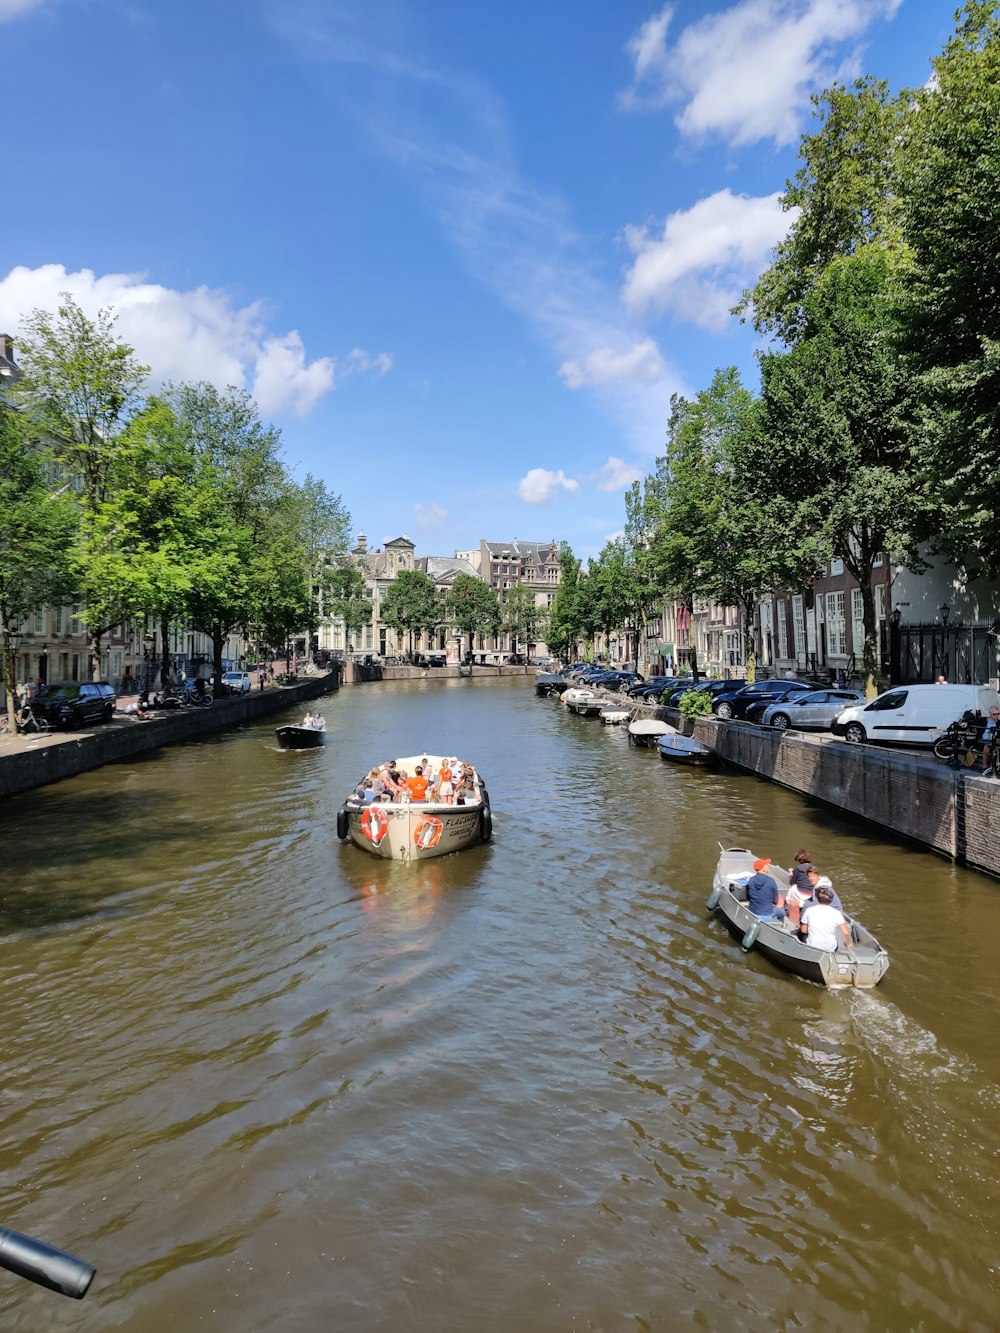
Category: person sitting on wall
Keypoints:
(989, 743)
(762, 896)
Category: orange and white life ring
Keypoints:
(374, 824)
(428, 832)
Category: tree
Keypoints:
(832, 442)
(949, 171)
(642, 591)
(519, 615)
(80, 386)
(37, 528)
(566, 621)
(347, 598)
(411, 604)
(472, 607)
(843, 196)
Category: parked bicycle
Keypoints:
(25, 723)
(962, 743)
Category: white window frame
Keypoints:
(858, 617)
(836, 567)
(799, 626)
(779, 614)
(836, 625)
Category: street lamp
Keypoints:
(945, 613)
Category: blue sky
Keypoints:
(461, 252)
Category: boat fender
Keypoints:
(343, 823)
(752, 931)
(486, 824)
(712, 901)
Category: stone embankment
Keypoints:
(956, 813)
(34, 761)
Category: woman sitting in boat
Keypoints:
(762, 896)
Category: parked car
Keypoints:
(914, 714)
(810, 712)
(654, 688)
(236, 682)
(72, 703)
(755, 711)
(734, 702)
(712, 687)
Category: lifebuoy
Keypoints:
(374, 824)
(343, 823)
(428, 832)
(486, 824)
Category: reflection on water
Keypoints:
(256, 1075)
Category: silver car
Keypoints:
(811, 712)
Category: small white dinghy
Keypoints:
(647, 730)
(613, 715)
(587, 703)
(682, 749)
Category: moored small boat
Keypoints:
(586, 703)
(613, 715)
(684, 749)
(549, 684)
(862, 964)
(647, 730)
(300, 738)
(418, 830)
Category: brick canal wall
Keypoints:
(956, 813)
(34, 762)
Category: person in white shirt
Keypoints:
(822, 923)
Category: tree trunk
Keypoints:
(218, 640)
(165, 658)
(8, 681)
(869, 668)
(94, 653)
(689, 607)
(749, 642)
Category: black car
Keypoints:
(712, 687)
(73, 702)
(654, 687)
(735, 701)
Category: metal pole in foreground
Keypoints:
(45, 1265)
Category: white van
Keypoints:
(914, 714)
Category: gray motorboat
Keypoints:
(862, 964)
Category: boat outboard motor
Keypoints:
(45, 1265)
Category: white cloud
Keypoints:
(12, 9)
(359, 361)
(705, 256)
(745, 73)
(431, 515)
(539, 485)
(617, 475)
(192, 335)
(641, 364)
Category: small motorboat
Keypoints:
(613, 715)
(417, 830)
(585, 703)
(683, 749)
(647, 730)
(300, 738)
(550, 684)
(862, 964)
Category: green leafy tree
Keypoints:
(643, 592)
(567, 623)
(833, 442)
(410, 604)
(348, 599)
(37, 528)
(472, 607)
(81, 385)
(520, 617)
(604, 591)
(949, 180)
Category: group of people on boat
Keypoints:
(452, 783)
(811, 907)
(313, 722)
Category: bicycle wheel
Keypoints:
(945, 748)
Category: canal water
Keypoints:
(265, 1081)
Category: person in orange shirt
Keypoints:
(417, 785)
(447, 788)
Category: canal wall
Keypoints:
(33, 761)
(956, 813)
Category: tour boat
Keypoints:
(300, 738)
(862, 964)
(681, 749)
(417, 830)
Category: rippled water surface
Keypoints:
(265, 1081)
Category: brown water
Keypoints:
(265, 1081)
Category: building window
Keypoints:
(879, 559)
(400, 559)
(779, 611)
(858, 617)
(39, 622)
(799, 626)
(836, 626)
(880, 601)
(836, 567)
(57, 617)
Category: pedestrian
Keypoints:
(261, 679)
(941, 680)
